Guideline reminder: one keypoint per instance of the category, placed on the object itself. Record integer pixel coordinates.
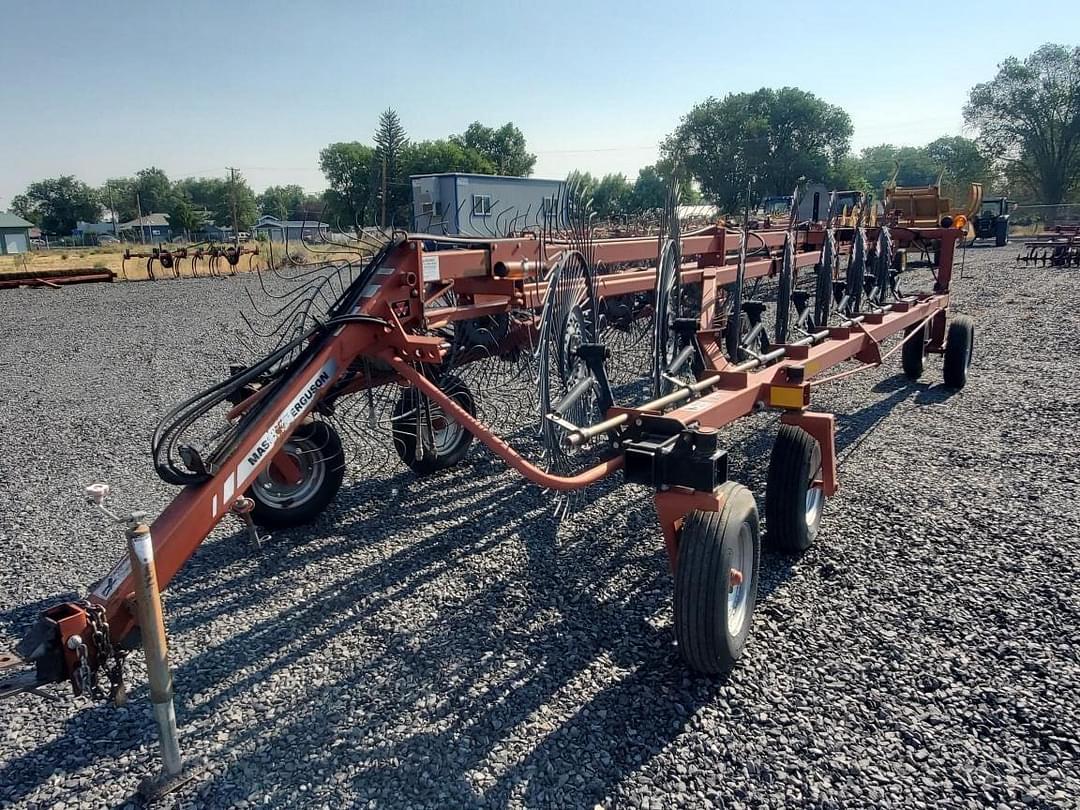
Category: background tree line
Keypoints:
(369, 183)
(1027, 120)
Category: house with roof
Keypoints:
(14, 234)
(147, 228)
(290, 230)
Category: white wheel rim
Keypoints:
(445, 432)
(280, 494)
(815, 498)
(740, 587)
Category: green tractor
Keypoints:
(992, 221)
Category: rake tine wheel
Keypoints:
(785, 286)
(573, 386)
(674, 350)
(733, 327)
(883, 258)
(786, 280)
(823, 302)
(856, 270)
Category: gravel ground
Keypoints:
(444, 642)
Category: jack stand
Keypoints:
(155, 645)
(242, 508)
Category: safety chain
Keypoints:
(83, 676)
(108, 657)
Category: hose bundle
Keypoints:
(176, 463)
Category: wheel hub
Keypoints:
(740, 581)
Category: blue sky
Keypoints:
(103, 89)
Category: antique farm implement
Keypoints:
(725, 322)
(171, 261)
(1057, 248)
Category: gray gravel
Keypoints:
(413, 649)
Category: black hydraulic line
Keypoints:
(179, 418)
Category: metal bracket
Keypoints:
(691, 458)
(594, 355)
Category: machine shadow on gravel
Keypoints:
(564, 565)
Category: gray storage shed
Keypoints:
(455, 203)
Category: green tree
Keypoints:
(350, 171)
(390, 144)
(956, 160)
(444, 155)
(504, 148)
(962, 163)
(58, 204)
(211, 200)
(650, 190)
(239, 198)
(155, 191)
(612, 196)
(117, 195)
(182, 216)
(1028, 118)
(878, 164)
(281, 201)
(204, 193)
(312, 207)
(579, 179)
(766, 139)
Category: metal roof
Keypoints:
(13, 221)
(486, 177)
(147, 220)
(267, 221)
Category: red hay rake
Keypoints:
(421, 321)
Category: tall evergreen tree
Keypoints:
(393, 187)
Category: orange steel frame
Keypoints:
(490, 276)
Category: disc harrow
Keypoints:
(1051, 250)
(571, 358)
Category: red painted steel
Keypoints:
(412, 276)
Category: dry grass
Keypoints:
(95, 259)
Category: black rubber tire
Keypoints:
(959, 347)
(913, 355)
(325, 442)
(1001, 234)
(707, 545)
(795, 463)
(405, 428)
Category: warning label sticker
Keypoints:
(431, 266)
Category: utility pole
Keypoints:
(112, 210)
(142, 225)
(232, 203)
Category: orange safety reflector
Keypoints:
(788, 396)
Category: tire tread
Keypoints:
(958, 348)
(789, 470)
(701, 580)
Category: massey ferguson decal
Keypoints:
(293, 411)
